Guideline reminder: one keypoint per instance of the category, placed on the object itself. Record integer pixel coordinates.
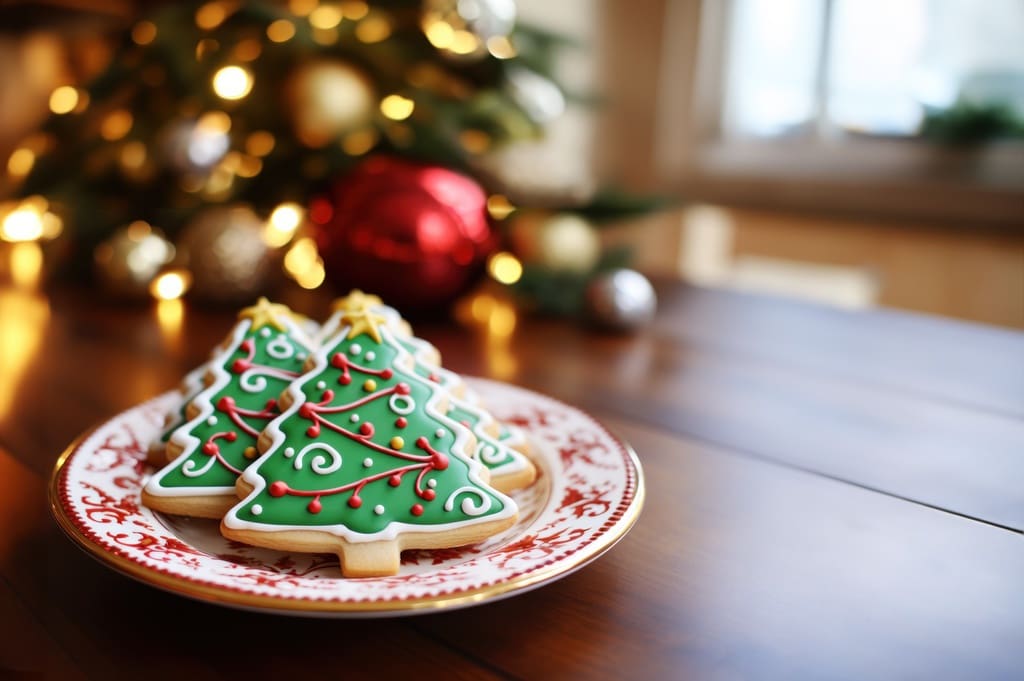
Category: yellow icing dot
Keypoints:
(249, 453)
(370, 385)
(397, 442)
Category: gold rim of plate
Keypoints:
(231, 597)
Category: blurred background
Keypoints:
(854, 152)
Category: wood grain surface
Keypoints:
(831, 495)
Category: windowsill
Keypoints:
(889, 178)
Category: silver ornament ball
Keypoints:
(227, 255)
(621, 299)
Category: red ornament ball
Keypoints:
(417, 235)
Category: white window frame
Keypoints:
(865, 176)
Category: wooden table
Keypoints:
(830, 495)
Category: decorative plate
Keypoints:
(588, 494)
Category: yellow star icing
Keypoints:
(363, 321)
(355, 301)
(266, 313)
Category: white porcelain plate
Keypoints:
(587, 496)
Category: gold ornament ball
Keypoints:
(127, 261)
(563, 241)
(328, 98)
(229, 260)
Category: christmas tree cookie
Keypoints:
(362, 462)
(508, 467)
(263, 354)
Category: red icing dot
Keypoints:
(226, 403)
(395, 480)
(315, 506)
(355, 502)
(416, 510)
(271, 403)
(246, 345)
(344, 379)
(402, 388)
(231, 437)
(278, 489)
(338, 360)
(313, 430)
(307, 410)
(366, 429)
(386, 374)
(422, 443)
(209, 449)
(439, 461)
(240, 365)
(429, 494)
(328, 395)
(400, 422)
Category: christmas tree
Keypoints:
(263, 354)
(222, 126)
(363, 463)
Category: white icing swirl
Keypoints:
(319, 463)
(280, 348)
(490, 454)
(468, 506)
(192, 470)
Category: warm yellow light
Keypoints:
(249, 166)
(211, 15)
(232, 82)
(499, 206)
(248, 50)
(501, 47)
(354, 9)
(170, 285)
(505, 268)
(64, 99)
(20, 162)
(26, 264)
(397, 107)
(373, 29)
(439, 33)
(214, 123)
(464, 42)
(144, 32)
(133, 155)
(24, 223)
(301, 8)
(283, 222)
(304, 265)
(281, 31)
(259, 143)
(116, 125)
(325, 16)
(170, 315)
(359, 142)
(312, 276)
(300, 256)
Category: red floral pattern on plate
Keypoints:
(585, 497)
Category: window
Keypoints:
(867, 66)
